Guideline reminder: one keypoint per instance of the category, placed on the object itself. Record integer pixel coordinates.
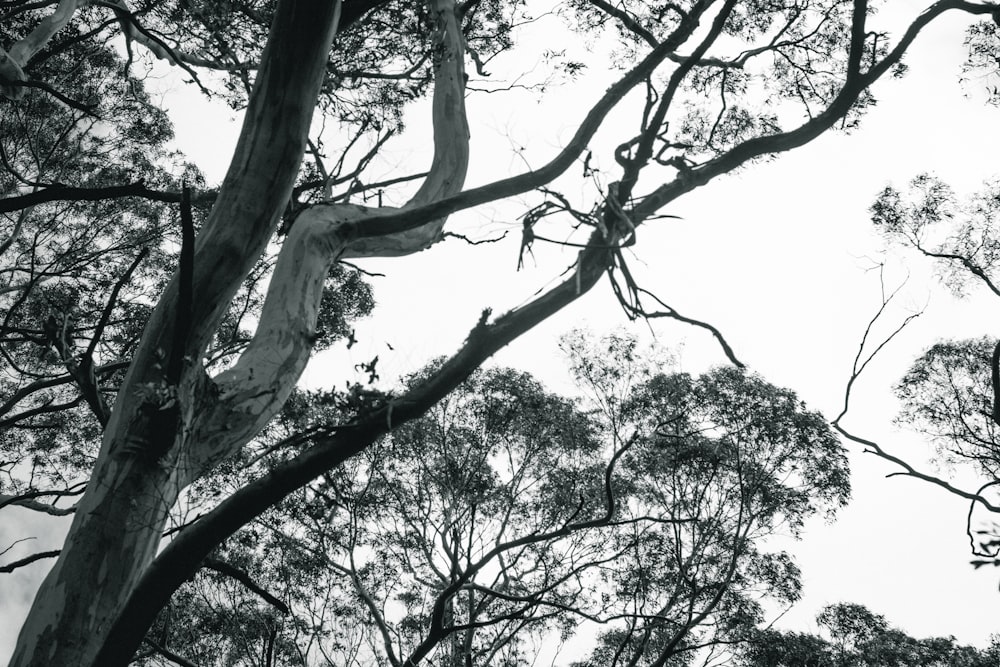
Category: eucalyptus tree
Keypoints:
(742, 460)
(853, 635)
(718, 84)
(509, 524)
(951, 393)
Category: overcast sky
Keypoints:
(775, 257)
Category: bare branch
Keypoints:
(243, 577)
(60, 192)
(28, 560)
(872, 447)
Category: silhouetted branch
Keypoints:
(243, 577)
(68, 101)
(60, 192)
(28, 560)
(870, 446)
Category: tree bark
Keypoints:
(141, 466)
(166, 432)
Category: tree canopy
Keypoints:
(509, 523)
(858, 637)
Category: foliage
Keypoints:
(508, 517)
(961, 236)
(947, 395)
(856, 637)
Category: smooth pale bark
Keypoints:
(13, 62)
(255, 388)
(138, 474)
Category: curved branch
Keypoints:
(673, 314)
(256, 387)
(13, 62)
(88, 109)
(380, 222)
(856, 83)
(872, 447)
(35, 41)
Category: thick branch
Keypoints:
(256, 387)
(451, 144)
(856, 83)
(386, 222)
(12, 63)
(27, 560)
(58, 192)
(134, 484)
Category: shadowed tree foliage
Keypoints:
(855, 637)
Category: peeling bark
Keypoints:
(255, 388)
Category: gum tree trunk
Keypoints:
(139, 472)
(166, 432)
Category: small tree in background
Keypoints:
(856, 637)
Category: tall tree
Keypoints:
(175, 417)
(742, 460)
(507, 519)
(951, 393)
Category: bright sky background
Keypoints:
(775, 257)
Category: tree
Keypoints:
(951, 393)
(857, 637)
(744, 460)
(175, 416)
(507, 518)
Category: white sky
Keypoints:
(775, 257)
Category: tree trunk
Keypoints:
(141, 469)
